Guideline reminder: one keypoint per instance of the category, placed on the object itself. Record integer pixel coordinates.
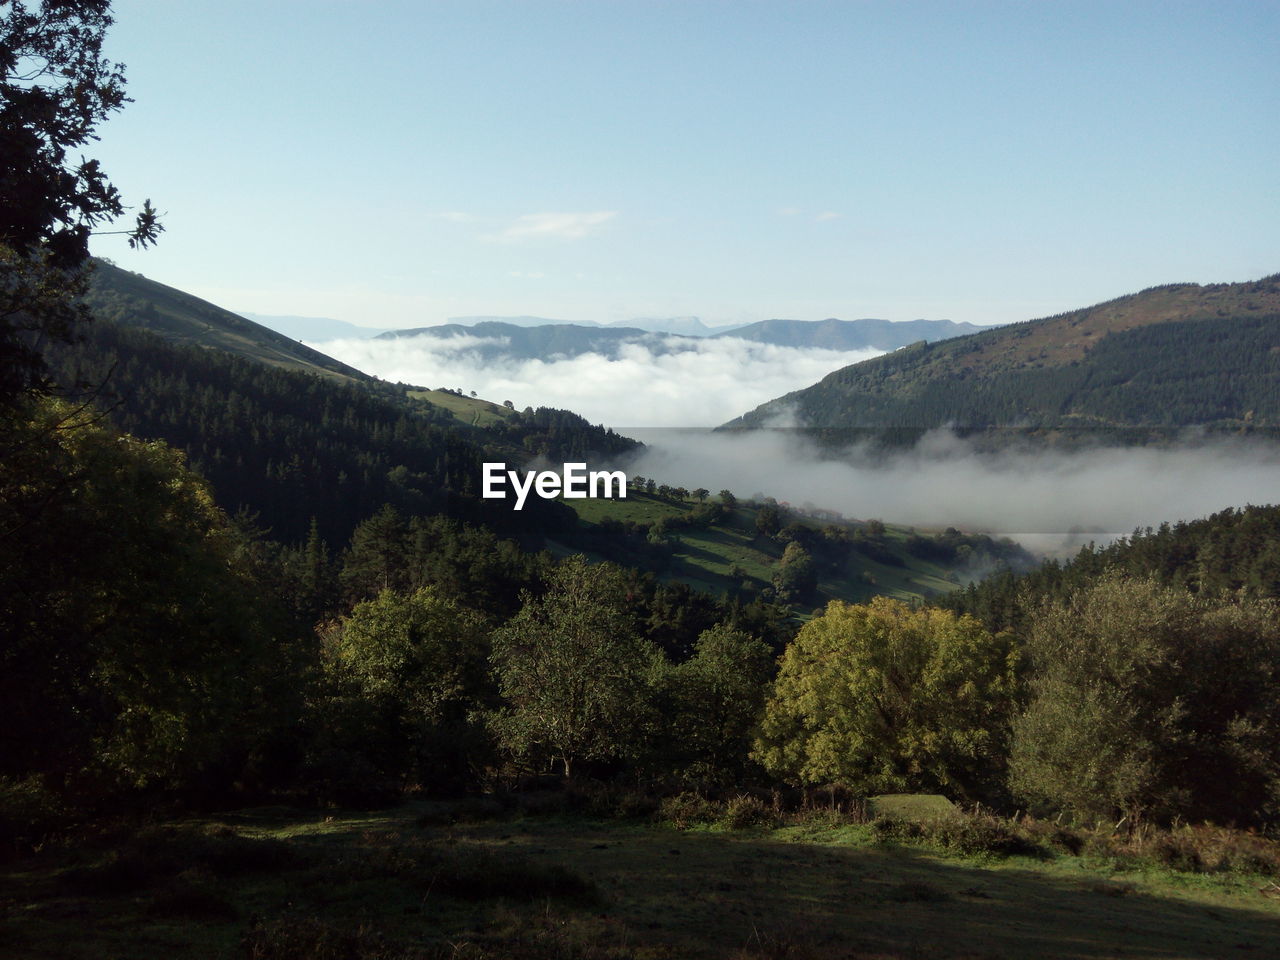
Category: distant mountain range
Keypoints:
(830, 334)
(1164, 359)
(526, 342)
(685, 326)
(493, 340)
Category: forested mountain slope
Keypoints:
(1166, 358)
(132, 299)
(1233, 552)
(289, 445)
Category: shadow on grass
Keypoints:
(638, 890)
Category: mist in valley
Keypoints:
(1051, 501)
(683, 383)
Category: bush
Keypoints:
(29, 812)
(686, 809)
(746, 811)
(1188, 849)
(609, 801)
(967, 835)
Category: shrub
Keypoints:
(746, 811)
(967, 835)
(686, 809)
(29, 812)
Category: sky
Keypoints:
(395, 164)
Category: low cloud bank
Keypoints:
(698, 385)
(1050, 501)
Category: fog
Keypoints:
(1049, 501)
(702, 383)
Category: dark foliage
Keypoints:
(1233, 550)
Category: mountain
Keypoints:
(1154, 362)
(527, 342)
(521, 321)
(506, 340)
(685, 326)
(835, 334)
(289, 435)
(133, 300)
(314, 329)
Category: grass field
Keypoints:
(470, 410)
(472, 881)
(705, 558)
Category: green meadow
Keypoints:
(483, 879)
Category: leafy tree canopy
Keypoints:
(55, 88)
(1148, 701)
(882, 697)
(574, 671)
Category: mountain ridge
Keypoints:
(183, 318)
(1203, 353)
(568, 339)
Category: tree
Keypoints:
(55, 88)
(135, 650)
(378, 556)
(717, 698)
(1147, 701)
(797, 575)
(768, 520)
(575, 675)
(728, 499)
(701, 494)
(418, 662)
(885, 698)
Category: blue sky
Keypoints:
(395, 164)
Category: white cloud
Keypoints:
(457, 216)
(828, 215)
(703, 384)
(563, 226)
(789, 211)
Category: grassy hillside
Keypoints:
(473, 880)
(1162, 359)
(731, 555)
(472, 411)
(133, 300)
